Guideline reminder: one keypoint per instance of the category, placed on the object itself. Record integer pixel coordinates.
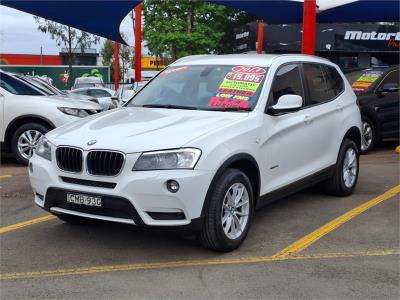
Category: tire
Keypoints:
(35, 131)
(340, 184)
(368, 135)
(212, 235)
(71, 219)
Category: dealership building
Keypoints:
(350, 45)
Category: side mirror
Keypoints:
(288, 102)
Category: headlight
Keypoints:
(43, 148)
(73, 111)
(185, 158)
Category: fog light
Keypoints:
(172, 186)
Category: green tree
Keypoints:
(177, 28)
(67, 36)
(125, 56)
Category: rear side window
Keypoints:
(317, 88)
(287, 81)
(334, 81)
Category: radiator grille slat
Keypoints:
(104, 163)
(69, 159)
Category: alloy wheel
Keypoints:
(235, 210)
(350, 165)
(27, 142)
(367, 135)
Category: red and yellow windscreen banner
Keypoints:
(366, 80)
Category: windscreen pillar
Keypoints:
(309, 25)
(116, 65)
(138, 42)
(260, 37)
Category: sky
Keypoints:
(19, 34)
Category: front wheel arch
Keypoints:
(243, 162)
(25, 119)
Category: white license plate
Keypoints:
(82, 199)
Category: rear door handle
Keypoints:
(308, 119)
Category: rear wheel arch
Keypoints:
(243, 162)
(16, 123)
(354, 134)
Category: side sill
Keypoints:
(296, 186)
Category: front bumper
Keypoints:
(142, 195)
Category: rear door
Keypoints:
(387, 106)
(324, 87)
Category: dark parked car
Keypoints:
(377, 90)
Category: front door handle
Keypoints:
(308, 119)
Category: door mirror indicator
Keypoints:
(288, 103)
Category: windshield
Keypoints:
(48, 86)
(39, 85)
(86, 85)
(34, 84)
(211, 87)
(362, 80)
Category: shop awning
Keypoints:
(104, 17)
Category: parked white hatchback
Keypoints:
(204, 144)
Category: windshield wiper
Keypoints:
(171, 106)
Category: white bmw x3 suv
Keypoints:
(204, 144)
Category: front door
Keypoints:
(286, 141)
(387, 106)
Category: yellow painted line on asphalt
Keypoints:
(314, 236)
(20, 225)
(5, 176)
(190, 263)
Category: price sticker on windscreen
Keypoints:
(238, 88)
(366, 80)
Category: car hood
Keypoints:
(134, 129)
(66, 101)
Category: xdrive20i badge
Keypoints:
(92, 142)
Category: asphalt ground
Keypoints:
(306, 246)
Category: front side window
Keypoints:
(392, 79)
(287, 81)
(317, 87)
(17, 87)
(204, 87)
